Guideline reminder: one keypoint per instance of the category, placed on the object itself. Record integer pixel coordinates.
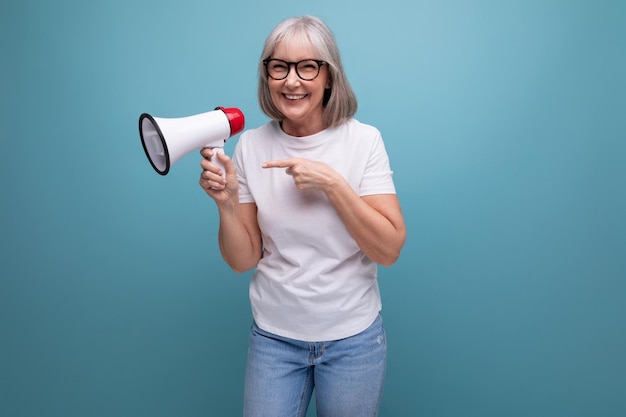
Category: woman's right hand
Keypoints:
(220, 188)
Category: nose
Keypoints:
(292, 76)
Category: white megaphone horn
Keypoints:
(165, 140)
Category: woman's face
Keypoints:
(298, 100)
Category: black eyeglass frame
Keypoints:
(319, 62)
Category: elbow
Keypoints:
(241, 261)
(391, 251)
(385, 256)
(241, 267)
(239, 270)
(388, 259)
(243, 264)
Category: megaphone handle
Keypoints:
(216, 161)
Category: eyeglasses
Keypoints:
(307, 69)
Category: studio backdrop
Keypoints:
(505, 125)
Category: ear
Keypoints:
(329, 83)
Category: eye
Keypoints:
(277, 66)
(308, 66)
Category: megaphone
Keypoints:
(166, 140)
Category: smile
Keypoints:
(294, 97)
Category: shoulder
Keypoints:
(254, 144)
(363, 130)
(361, 135)
(263, 131)
(252, 140)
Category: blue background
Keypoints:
(505, 125)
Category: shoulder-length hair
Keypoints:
(339, 102)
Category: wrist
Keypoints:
(337, 185)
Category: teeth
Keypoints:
(292, 97)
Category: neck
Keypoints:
(300, 129)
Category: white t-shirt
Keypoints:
(312, 283)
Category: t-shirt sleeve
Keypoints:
(378, 176)
(245, 196)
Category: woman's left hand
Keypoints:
(307, 174)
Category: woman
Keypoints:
(309, 201)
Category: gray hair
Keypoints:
(340, 102)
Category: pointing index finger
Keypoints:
(281, 163)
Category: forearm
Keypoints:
(374, 222)
(239, 241)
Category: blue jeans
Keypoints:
(347, 374)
